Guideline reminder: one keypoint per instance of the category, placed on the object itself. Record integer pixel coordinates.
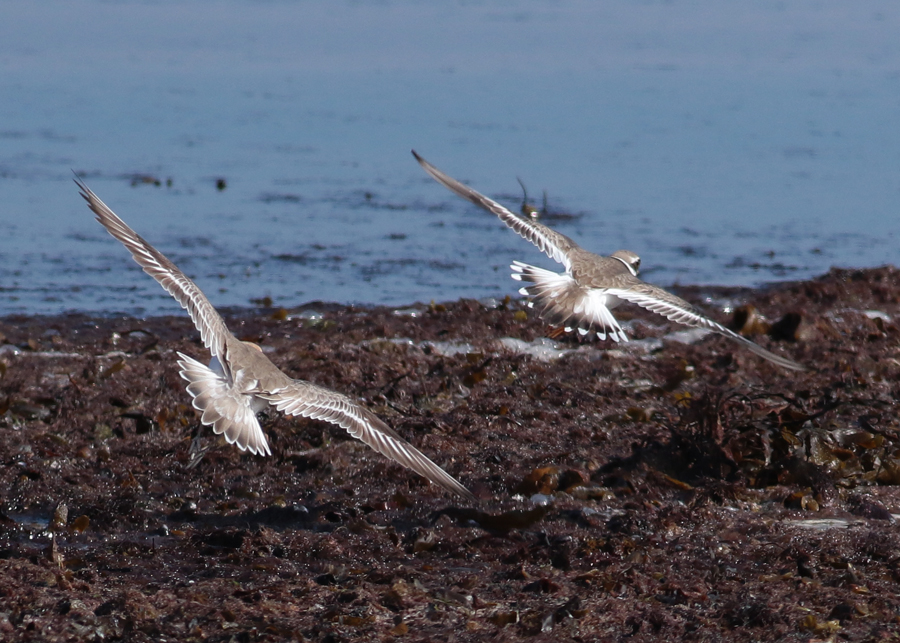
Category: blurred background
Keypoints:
(265, 146)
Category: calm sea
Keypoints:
(726, 143)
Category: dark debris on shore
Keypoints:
(653, 491)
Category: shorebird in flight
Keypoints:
(241, 380)
(584, 295)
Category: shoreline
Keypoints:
(268, 306)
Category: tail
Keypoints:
(228, 411)
(562, 302)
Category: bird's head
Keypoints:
(631, 260)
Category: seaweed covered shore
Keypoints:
(673, 488)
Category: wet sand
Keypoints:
(674, 488)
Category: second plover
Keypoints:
(584, 295)
(241, 380)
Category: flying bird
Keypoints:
(584, 296)
(241, 381)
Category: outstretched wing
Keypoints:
(228, 411)
(210, 324)
(678, 310)
(552, 243)
(309, 400)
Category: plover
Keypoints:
(241, 380)
(584, 295)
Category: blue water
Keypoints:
(726, 143)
